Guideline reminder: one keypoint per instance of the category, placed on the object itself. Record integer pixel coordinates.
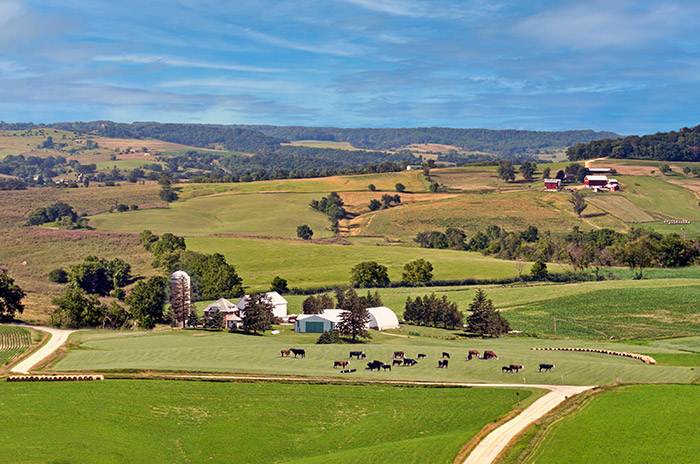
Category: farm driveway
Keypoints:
(58, 338)
(495, 442)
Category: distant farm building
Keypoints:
(380, 318)
(592, 181)
(180, 295)
(318, 323)
(229, 311)
(599, 171)
(279, 303)
(552, 184)
(414, 167)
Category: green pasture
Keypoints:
(311, 265)
(203, 351)
(661, 199)
(13, 342)
(117, 421)
(273, 214)
(630, 424)
(622, 313)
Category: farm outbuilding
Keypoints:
(228, 310)
(595, 181)
(382, 318)
(552, 184)
(318, 323)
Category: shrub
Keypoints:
(134, 207)
(328, 337)
(121, 207)
(60, 276)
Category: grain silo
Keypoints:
(180, 294)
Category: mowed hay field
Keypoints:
(623, 313)
(200, 351)
(306, 264)
(174, 421)
(630, 424)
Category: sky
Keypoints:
(632, 67)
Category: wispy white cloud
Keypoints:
(182, 62)
(333, 47)
(223, 83)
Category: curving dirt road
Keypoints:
(490, 447)
(58, 338)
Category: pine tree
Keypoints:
(485, 319)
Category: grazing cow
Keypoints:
(409, 362)
(489, 355)
(285, 353)
(342, 364)
(347, 371)
(395, 362)
(507, 369)
(298, 352)
(472, 354)
(421, 355)
(516, 367)
(443, 363)
(546, 367)
(358, 354)
(445, 354)
(386, 367)
(374, 365)
(399, 354)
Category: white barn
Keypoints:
(279, 303)
(229, 310)
(382, 318)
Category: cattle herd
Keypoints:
(399, 359)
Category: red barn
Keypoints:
(595, 181)
(552, 184)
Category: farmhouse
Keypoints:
(600, 171)
(230, 311)
(592, 181)
(552, 184)
(414, 167)
(380, 318)
(279, 303)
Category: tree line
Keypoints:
(683, 145)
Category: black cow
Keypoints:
(507, 369)
(443, 363)
(375, 365)
(409, 362)
(445, 354)
(421, 355)
(298, 352)
(347, 371)
(358, 354)
(396, 362)
(386, 367)
(546, 367)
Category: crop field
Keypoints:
(630, 424)
(629, 313)
(272, 214)
(13, 342)
(619, 207)
(323, 144)
(202, 351)
(660, 198)
(174, 421)
(311, 265)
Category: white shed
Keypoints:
(318, 323)
(382, 318)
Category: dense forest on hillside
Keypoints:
(266, 139)
(500, 142)
(683, 145)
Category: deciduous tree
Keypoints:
(10, 297)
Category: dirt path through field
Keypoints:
(490, 447)
(58, 338)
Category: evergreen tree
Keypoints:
(258, 315)
(485, 319)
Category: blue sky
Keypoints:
(626, 66)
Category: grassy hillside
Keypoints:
(171, 421)
(306, 264)
(631, 424)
